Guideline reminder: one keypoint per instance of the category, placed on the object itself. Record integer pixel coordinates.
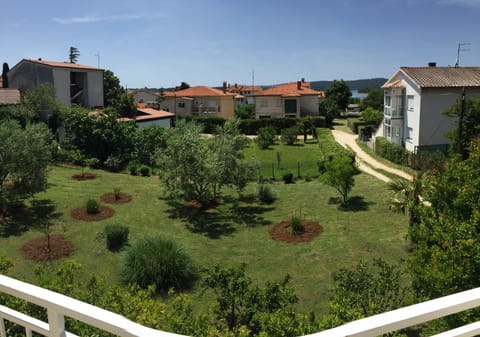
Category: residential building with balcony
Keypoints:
(295, 99)
(415, 99)
(74, 83)
(199, 101)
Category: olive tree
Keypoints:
(24, 158)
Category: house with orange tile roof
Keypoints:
(199, 101)
(148, 116)
(415, 99)
(245, 93)
(74, 83)
(295, 99)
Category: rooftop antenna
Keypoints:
(98, 58)
(459, 49)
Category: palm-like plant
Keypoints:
(407, 197)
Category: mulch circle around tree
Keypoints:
(37, 249)
(81, 214)
(110, 198)
(84, 176)
(280, 232)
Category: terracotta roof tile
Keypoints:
(153, 114)
(291, 89)
(63, 64)
(395, 84)
(199, 91)
(437, 77)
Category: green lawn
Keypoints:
(234, 232)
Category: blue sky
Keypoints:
(204, 42)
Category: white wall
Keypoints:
(95, 88)
(61, 79)
(309, 104)
(269, 106)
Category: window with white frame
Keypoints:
(410, 102)
(409, 135)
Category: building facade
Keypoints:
(415, 99)
(74, 83)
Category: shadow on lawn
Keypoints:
(356, 204)
(221, 221)
(21, 218)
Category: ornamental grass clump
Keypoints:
(93, 206)
(160, 262)
(295, 223)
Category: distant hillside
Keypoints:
(360, 85)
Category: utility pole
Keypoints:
(98, 58)
(460, 148)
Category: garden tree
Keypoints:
(339, 92)
(245, 111)
(183, 85)
(373, 100)
(73, 55)
(148, 141)
(339, 172)
(266, 136)
(196, 169)
(24, 158)
(407, 197)
(100, 136)
(42, 104)
(328, 108)
(365, 290)
(306, 126)
(112, 91)
(126, 106)
(371, 116)
(5, 70)
(269, 309)
(470, 124)
(289, 135)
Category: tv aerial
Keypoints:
(461, 47)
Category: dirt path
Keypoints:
(366, 163)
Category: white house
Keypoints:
(415, 99)
(74, 83)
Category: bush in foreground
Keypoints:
(160, 262)
(116, 236)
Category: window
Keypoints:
(388, 100)
(181, 104)
(410, 102)
(409, 134)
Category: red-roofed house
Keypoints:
(148, 116)
(295, 99)
(74, 83)
(199, 100)
(415, 99)
(245, 93)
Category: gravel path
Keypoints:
(365, 162)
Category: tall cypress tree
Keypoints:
(5, 70)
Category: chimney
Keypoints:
(224, 86)
(432, 64)
(303, 79)
(299, 85)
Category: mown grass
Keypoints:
(234, 232)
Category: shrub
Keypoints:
(288, 178)
(93, 163)
(295, 223)
(93, 207)
(132, 168)
(266, 137)
(265, 194)
(160, 262)
(289, 136)
(145, 171)
(113, 164)
(116, 193)
(393, 152)
(116, 236)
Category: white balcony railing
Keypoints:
(58, 306)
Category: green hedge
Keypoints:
(251, 126)
(355, 123)
(393, 152)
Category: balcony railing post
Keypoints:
(3, 333)
(56, 324)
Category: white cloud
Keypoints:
(95, 18)
(470, 3)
